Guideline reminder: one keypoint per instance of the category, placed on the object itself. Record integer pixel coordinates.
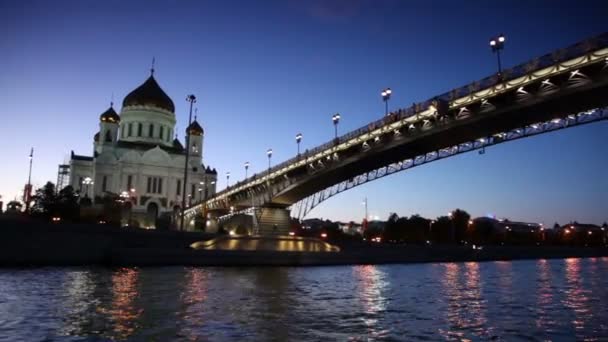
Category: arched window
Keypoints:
(140, 128)
(108, 136)
(130, 131)
(162, 131)
(151, 131)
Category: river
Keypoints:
(562, 299)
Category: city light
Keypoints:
(336, 119)
(323, 235)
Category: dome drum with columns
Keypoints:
(137, 157)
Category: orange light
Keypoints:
(567, 231)
(323, 235)
(292, 233)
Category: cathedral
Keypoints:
(137, 160)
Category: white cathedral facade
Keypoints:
(136, 158)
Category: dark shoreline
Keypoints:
(24, 243)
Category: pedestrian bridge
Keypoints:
(562, 89)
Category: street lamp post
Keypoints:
(192, 99)
(298, 140)
(28, 188)
(228, 179)
(386, 95)
(497, 44)
(246, 168)
(336, 119)
(269, 154)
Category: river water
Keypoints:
(521, 300)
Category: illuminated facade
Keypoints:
(137, 159)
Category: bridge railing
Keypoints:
(547, 60)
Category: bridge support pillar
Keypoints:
(272, 221)
(212, 225)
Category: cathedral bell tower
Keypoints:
(195, 141)
(108, 128)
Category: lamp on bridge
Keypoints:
(228, 179)
(336, 119)
(497, 44)
(246, 168)
(386, 95)
(298, 140)
(269, 154)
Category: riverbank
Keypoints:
(29, 243)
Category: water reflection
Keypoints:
(78, 302)
(523, 300)
(124, 313)
(544, 296)
(370, 288)
(577, 296)
(193, 301)
(466, 308)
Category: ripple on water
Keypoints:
(524, 300)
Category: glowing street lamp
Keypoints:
(336, 119)
(386, 95)
(269, 154)
(298, 140)
(87, 181)
(497, 44)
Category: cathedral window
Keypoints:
(108, 136)
(129, 182)
(130, 131)
(80, 184)
(151, 131)
(104, 183)
(192, 190)
(155, 185)
(178, 191)
(140, 128)
(122, 133)
(194, 149)
(162, 131)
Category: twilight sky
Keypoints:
(266, 70)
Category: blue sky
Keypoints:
(266, 70)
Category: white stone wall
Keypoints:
(147, 116)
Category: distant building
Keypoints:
(136, 156)
(351, 228)
(518, 227)
(582, 227)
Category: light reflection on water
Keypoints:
(523, 300)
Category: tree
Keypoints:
(460, 220)
(417, 229)
(391, 230)
(441, 230)
(67, 204)
(45, 201)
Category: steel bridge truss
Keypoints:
(303, 207)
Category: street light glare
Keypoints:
(492, 42)
(269, 152)
(501, 38)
